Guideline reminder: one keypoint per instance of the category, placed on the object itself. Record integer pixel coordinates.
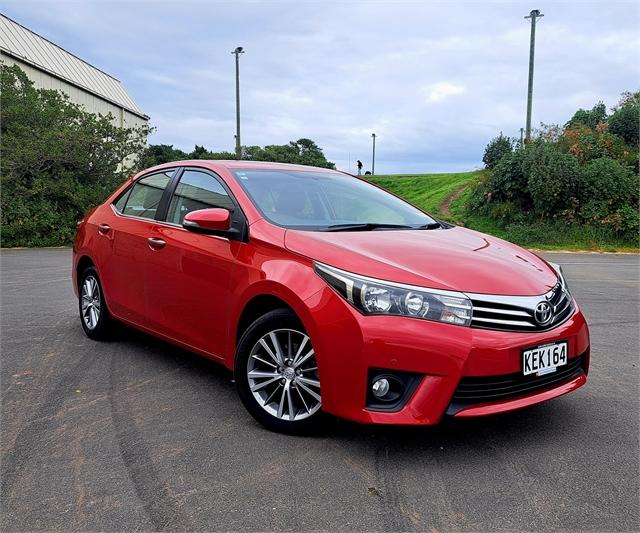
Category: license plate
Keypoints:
(544, 359)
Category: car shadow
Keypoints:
(541, 422)
(168, 354)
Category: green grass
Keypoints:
(427, 191)
(431, 191)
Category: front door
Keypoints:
(188, 281)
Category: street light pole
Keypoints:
(237, 53)
(535, 14)
(373, 157)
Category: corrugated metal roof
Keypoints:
(28, 46)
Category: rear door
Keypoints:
(189, 278)
(123, 274)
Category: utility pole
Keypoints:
(535, 14)
(373, 158)
(237, 53)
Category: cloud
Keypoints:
(159, 78)
(434, 80)
(437, 92)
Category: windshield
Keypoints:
(327, 201)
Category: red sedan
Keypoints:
(325, 293)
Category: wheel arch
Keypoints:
(83, 263)
(268, 296)
(255, 308)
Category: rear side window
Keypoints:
(143, 198)
(197, 190)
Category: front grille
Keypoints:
(487, 389)
(517, 313)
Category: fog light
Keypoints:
(380, 388)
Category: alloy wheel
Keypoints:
(90, 302)
(283, 375)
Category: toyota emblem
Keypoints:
(543, 313)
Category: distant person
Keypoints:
(359, 167)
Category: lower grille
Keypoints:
(475, 390)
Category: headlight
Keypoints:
(377, 297)
(558, 269)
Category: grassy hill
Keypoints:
(427, 191)
(444, 195)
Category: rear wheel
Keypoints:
(277, 374)
(94, 315)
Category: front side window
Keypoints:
(316, 200)
(143, 198)
(197, 190)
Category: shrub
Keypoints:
(627, 220)
(505, 212)
(583, 176)
(608, 193)
(625, 122)
(551, 178)
(57, 161)
(607, 179)
(508, 182)
(587, 145)
(496, 150)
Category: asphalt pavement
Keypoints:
(136, 434)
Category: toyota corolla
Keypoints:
(327, 294)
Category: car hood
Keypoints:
(451, 259)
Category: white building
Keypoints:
(52, 67)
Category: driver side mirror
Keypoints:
(214, 221)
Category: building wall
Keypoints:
(91, 102)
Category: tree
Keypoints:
(496, 149)
(309, 153)
(200, 152)
(57, 161)
(590, 118)
(302, 152)
(625, 120)
(627, 97)
(156, 154)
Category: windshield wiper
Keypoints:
(369, 226)
(430, 225)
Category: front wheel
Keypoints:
(94, 314)
(277, 374)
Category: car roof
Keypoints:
(214, 164)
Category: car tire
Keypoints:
(94, 315)
(277, 379)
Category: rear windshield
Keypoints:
(319, 200)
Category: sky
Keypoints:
(434, 80)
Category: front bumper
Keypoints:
(348, 344)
